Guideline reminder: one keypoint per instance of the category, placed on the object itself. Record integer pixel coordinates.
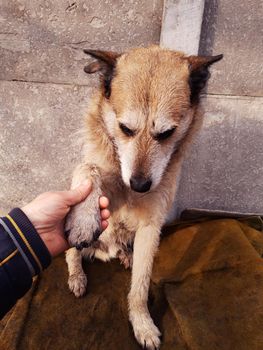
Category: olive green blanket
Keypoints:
(206, 294)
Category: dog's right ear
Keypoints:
(104, 64)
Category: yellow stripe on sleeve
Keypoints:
(25, 241)
(8, 257)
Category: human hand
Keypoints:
(47, 213)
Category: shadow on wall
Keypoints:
(223, 168)
(208, 28)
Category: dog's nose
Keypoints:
(140, 183)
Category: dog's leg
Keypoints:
(145, 245)
(83, 224)
(105, 248)
(77, 280)
(83, 221)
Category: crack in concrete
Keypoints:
(71, 6)
(210, 94)
(43, 82)
(78, 42)
(8, 33)
(231, 95)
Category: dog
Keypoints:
(136, 132)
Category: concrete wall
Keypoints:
(44, 92)
(234, 28)
(44, 95)
(224, 168)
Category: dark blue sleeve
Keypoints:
(23, 255)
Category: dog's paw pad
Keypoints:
(77, 284)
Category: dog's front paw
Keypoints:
(145, 331)
(77, 284)
(125, 257)
(83, 224)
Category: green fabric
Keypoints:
(206, 293)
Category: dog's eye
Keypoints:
(126, 130)
(164, 135)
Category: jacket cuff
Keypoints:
(28, 241)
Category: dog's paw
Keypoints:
(145, 331)
(77, 284)
(126, 258)
(83, 224)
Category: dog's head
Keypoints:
(150, 97)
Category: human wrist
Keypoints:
(27, 210)
(28, 239)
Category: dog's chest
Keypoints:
(123, 224)
(123, 234)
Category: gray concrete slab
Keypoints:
(43, 40)
(181, 25)
(234, 28)
(223, 169)
(224, 166)
(38, 125)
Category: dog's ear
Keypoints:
(199, 73)
(104, 64)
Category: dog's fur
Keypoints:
(154, 93)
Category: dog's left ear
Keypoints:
(105, 64)
(199, 73)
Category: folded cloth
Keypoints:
(206, 294)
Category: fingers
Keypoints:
(104, 202)
(81, 192)
(78, 194)
(105, 214)
(104, 224)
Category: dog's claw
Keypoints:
(96, 234)
(145, 331)
(78, 246)
(77, 284)
(67, 232)
(82, 245)
(92, 257)
(126, 257)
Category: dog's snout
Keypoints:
(140, 183)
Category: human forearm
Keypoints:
(23, 255)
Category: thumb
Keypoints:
(78, 194)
